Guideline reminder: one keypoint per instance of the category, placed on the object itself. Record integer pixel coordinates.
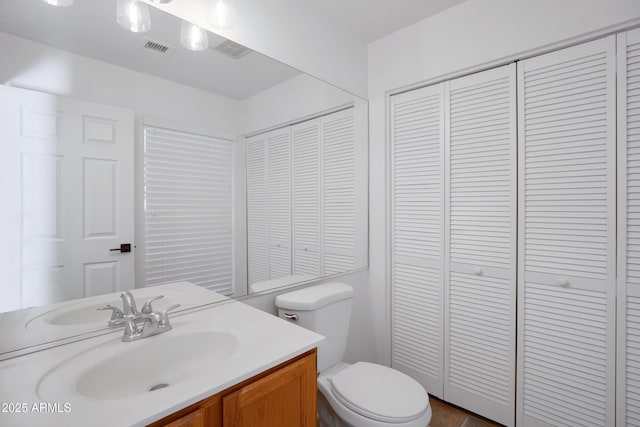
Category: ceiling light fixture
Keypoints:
(133, 15)
(222, 14)
(193, 37)
(61, 3)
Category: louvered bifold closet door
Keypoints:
(566, 245)
(279, 202)
(417, 235)
(306, 197)
(628, 366)
(257, 209)
(339, 192)
(480, 285)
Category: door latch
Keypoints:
(124, 247)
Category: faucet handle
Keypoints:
(130, 328)
(164, 322)
(146, 308)
(116, 314)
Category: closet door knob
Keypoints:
(477, 271)
(563, 282)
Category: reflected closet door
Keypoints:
(307, 197)
(567, 276)
(257, 210)
(279, 202)
(417, 235)
(480, 284)
(339, 199)
(628, 393)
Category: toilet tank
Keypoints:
(325, 309)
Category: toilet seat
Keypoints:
(379, 393)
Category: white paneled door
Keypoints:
(567, 232)
(417, 235)
(480, 283)
(628, 366)
(66, 169)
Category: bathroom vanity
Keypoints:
(226, 365)
(284, 395)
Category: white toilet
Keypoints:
(358, 395)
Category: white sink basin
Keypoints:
(144, 366)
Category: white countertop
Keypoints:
(25, 330)
(264, 341)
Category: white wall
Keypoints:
(473, 35)
(296, 98)
(359, 346)
(290, 31)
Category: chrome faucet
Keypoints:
(154, 323)
(129, 304)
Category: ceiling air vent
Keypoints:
(156, 46)
(231, 49)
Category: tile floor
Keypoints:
(446, 415)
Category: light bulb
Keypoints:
(133, 15)
(61, 3)
(193, 37)
(222, 14)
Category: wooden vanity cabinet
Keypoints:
(284, 396)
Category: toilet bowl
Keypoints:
(359, 395)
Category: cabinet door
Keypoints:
(306, 197)
(480, 284)
(628, 393)
(285, 398)
(257, 219)
(567, 276)
(279, 202)
(417, 235)
(194, 419)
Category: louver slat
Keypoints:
(629, 228)
(188, 209)
(480, 313)
(566, 316)
(417, 120)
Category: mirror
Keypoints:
(74, 70)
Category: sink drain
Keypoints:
(158, 387)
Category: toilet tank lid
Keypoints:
(314, 297)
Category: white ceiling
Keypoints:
(370, 20)
(89, 28)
